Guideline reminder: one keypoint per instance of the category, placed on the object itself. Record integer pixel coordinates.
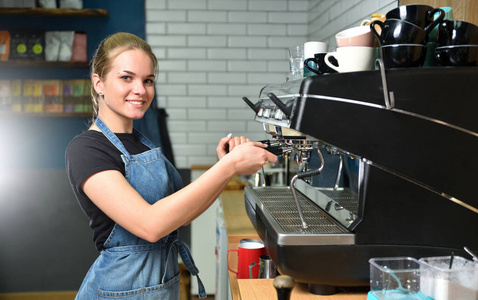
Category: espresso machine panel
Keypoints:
(404, 144)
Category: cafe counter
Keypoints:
(238, 227)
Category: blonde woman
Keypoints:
(132, 195)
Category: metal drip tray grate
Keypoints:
(282, 207)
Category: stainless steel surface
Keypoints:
(294, 193)
(340, 203)
(280, 210)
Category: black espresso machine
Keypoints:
(405, 147)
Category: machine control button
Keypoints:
(279, 115)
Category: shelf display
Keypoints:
(45, 96)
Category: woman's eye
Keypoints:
(126, 77)
(149, 81)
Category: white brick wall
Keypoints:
(328, 17)
(214, 52)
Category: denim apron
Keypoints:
(128, 266)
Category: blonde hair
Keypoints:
(107, 51)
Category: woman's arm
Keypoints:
(112, 193)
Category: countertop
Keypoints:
(238, 226)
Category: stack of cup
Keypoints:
(313, 66)
(457, 44)
(404, 34)
(355, 50)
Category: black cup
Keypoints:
(420, 15)
(455, 32)
(322, 67)
(403, 55)
(456, 56)
(398, 32)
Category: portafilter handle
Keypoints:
(284, 285)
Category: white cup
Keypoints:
(352, 59)
(311, 48)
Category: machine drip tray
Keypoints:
(280, 204)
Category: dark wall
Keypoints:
(46, 243)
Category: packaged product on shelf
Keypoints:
(5, 98)
(87, 107)
(4, 45)
(29, 3)
(47, 3)
(16, 95)
(18, 45)
(27, 44)
(75, 4)
(38, 97)
(79, 47)
(27, 95)
(52, 45)
(78, 89)
(36, 44)
(68, 96)
(53, 100)
(17, 3)
(66, 45)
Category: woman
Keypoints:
(118, 177)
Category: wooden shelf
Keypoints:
(45, 114)
(43, 63)
(55, 12)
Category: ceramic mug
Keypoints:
(355, 36)
(318, 66)
(398, 32)
(432, 36)
(351, 59)
(310, 48)
(456, 32)
(375, 17)
(247, 253)
(403, 55)
(456, 56)
(421, 15)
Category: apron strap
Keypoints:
(189, 263)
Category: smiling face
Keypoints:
(127, 90)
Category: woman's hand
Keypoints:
(228, 143)
(249, 157)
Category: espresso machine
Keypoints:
(404, 150)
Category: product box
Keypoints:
(75, 4)
(4, 45)
(5, 95)
(27, 44)
(18, 45)
(16, 95)
(79, 47)
(53, 99)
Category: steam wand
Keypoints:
(302, 175)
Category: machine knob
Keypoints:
(284, 285)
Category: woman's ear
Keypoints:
(97, 84)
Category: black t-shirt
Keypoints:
(89, 153)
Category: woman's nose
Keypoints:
(139, 88)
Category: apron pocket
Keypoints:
(167, 290)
